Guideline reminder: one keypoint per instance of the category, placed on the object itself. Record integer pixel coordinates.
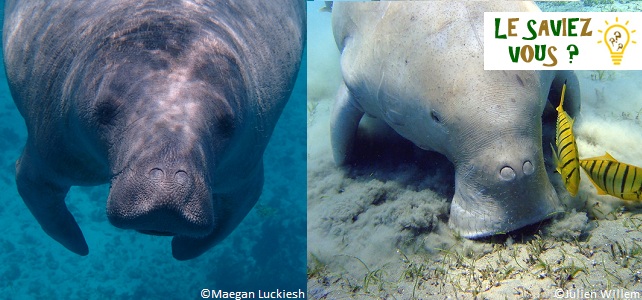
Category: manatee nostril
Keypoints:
(528, 168)
(507, 173)
(181, 177)
(156, 174)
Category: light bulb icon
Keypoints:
(617, 38)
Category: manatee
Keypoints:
(417, 68)
(171, 102)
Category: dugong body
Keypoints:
(418, 68)
(172, 102)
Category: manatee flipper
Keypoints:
(46, 201)
(241, 199)
(344, 124)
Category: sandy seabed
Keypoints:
(378, 229)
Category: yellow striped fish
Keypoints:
(613, 177)
(566, 157)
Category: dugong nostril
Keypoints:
(181, 177)
(156, 174)
(507, 173)
(528, 168)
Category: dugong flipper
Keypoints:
(172, 102)
(488, 123)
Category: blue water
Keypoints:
(267, 251)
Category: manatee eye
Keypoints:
(105, 111)
(435, 116)
(225, 125)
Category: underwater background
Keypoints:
(378, 229)
(266, 251)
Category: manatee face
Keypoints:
(167, 116)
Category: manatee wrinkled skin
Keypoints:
(418, 68)
(172, 102)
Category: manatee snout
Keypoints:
(504, 189)
(162, 199)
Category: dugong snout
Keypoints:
(502, 192)
(162, 200)
(509, 173)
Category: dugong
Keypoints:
(418, 67)
(171, 102)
